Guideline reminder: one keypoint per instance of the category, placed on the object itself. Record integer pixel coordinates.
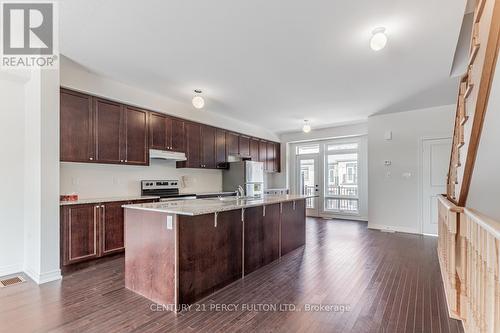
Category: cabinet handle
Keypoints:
(126, 161)
(91, 158)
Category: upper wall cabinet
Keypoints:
(76, 137)
(244, 145)
(232, 144)
(254, 149)
(101, 131)
(166, 133)
(136, 136)
(97, 130)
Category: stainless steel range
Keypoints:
(165, 189)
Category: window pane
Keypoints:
(342, 175)
(308, 149)
(307, 180)
(342, 146)
(341, 205)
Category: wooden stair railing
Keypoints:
(472, 100)
(469, 258)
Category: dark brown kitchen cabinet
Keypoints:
(79, 233)
(193, 143)
(277, 157)
(135, 136)
(158, 132)
(261, 236)
(220, 148)
(166, 133)
(108, 131)
(76, 122)
(263, 153)
(209, 257)
(293, 225)
(177, 135)
(270, 156)
(112, 227)
(232, 144)
(244, 145)
(254, 149)
(91, 231)
(207, 147)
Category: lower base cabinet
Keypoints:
(91, 231)
(293, 225)
(261, 230)
(209, 253)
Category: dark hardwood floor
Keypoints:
(385, 283)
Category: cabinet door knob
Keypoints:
(91, 158)
(126, 161)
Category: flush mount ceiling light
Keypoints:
(198, 101)
(379, 39)
(306, 128)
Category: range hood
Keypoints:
(167, 155)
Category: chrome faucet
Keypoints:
(240, 192)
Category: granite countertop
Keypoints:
(212, 205)
(110, 199)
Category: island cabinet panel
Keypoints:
(112, 227)
(207, 147)
(136, 136)
(76, 119)
(261, 241)
(79, 233)
(244, 145)
(108, 134)
(150, 265)
(232, 144)
(209, 255)
(293, 225)
(254, 149)
(220, 148)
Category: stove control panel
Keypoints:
(159, 184)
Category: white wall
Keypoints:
(393, 202)
(484, 192)
(41, 176)
(12, 174)
(100, 180)
(29, 136)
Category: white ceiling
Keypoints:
(270, 63)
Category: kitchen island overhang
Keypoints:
(179, 252)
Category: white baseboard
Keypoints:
(392, 228)
(11, 269)
(44, 277)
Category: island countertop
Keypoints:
(212, 205)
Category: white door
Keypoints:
(308, 181)
(435, 162)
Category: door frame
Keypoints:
(315, 212)
(420, 178)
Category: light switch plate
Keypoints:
(170, 222)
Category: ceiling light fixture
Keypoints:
(379, 39)
(306, 128)
(198, 101)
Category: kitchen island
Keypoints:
(178, 252)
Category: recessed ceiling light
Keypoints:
(198, 101)
(306, 128)
(379, 39)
